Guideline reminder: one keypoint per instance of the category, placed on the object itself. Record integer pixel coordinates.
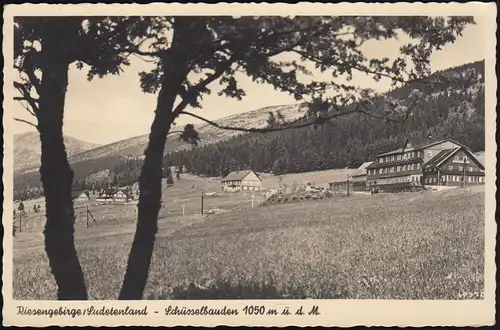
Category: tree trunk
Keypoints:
(150, 187)
(57, 178)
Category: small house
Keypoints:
(358, 178)
(120, 196)
(80, 196)
(115, 196)
(241, 181)
(105, 196)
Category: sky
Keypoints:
(114, 108)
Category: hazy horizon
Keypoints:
(114, 108)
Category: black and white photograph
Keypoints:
(205, 165)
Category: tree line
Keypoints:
(347, 142)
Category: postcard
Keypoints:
(249, 164)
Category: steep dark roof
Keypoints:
(108, 191)
(446, 154)
(441, 156)
(412, 148)
(237, 175)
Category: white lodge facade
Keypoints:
(241, 180)
(415, 166)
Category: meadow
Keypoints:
(425, 245)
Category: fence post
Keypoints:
(201, 202)
(87, 216)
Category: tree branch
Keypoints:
(24, 106)
(30, 72)
(317, 121)
(26, 122)
(137, 51)
(26, 96)
(174, 132)
(193, 91)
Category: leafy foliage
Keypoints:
(249, 45)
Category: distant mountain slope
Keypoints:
(134, 147)
(453, 110)
(27, 149)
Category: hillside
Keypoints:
(452, 110)
(27, 149)
(134, 147)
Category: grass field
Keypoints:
(389, 246)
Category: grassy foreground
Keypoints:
(405, 246)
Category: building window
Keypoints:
(392, 158)
(430, 154)
(404, 168)
(418, 166)
(471, 169)
(450, 168)
(398, 157)
(379, 171)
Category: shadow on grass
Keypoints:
(250, 290)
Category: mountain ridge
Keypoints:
(454, 110)
(27, 149)
(134, 147)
